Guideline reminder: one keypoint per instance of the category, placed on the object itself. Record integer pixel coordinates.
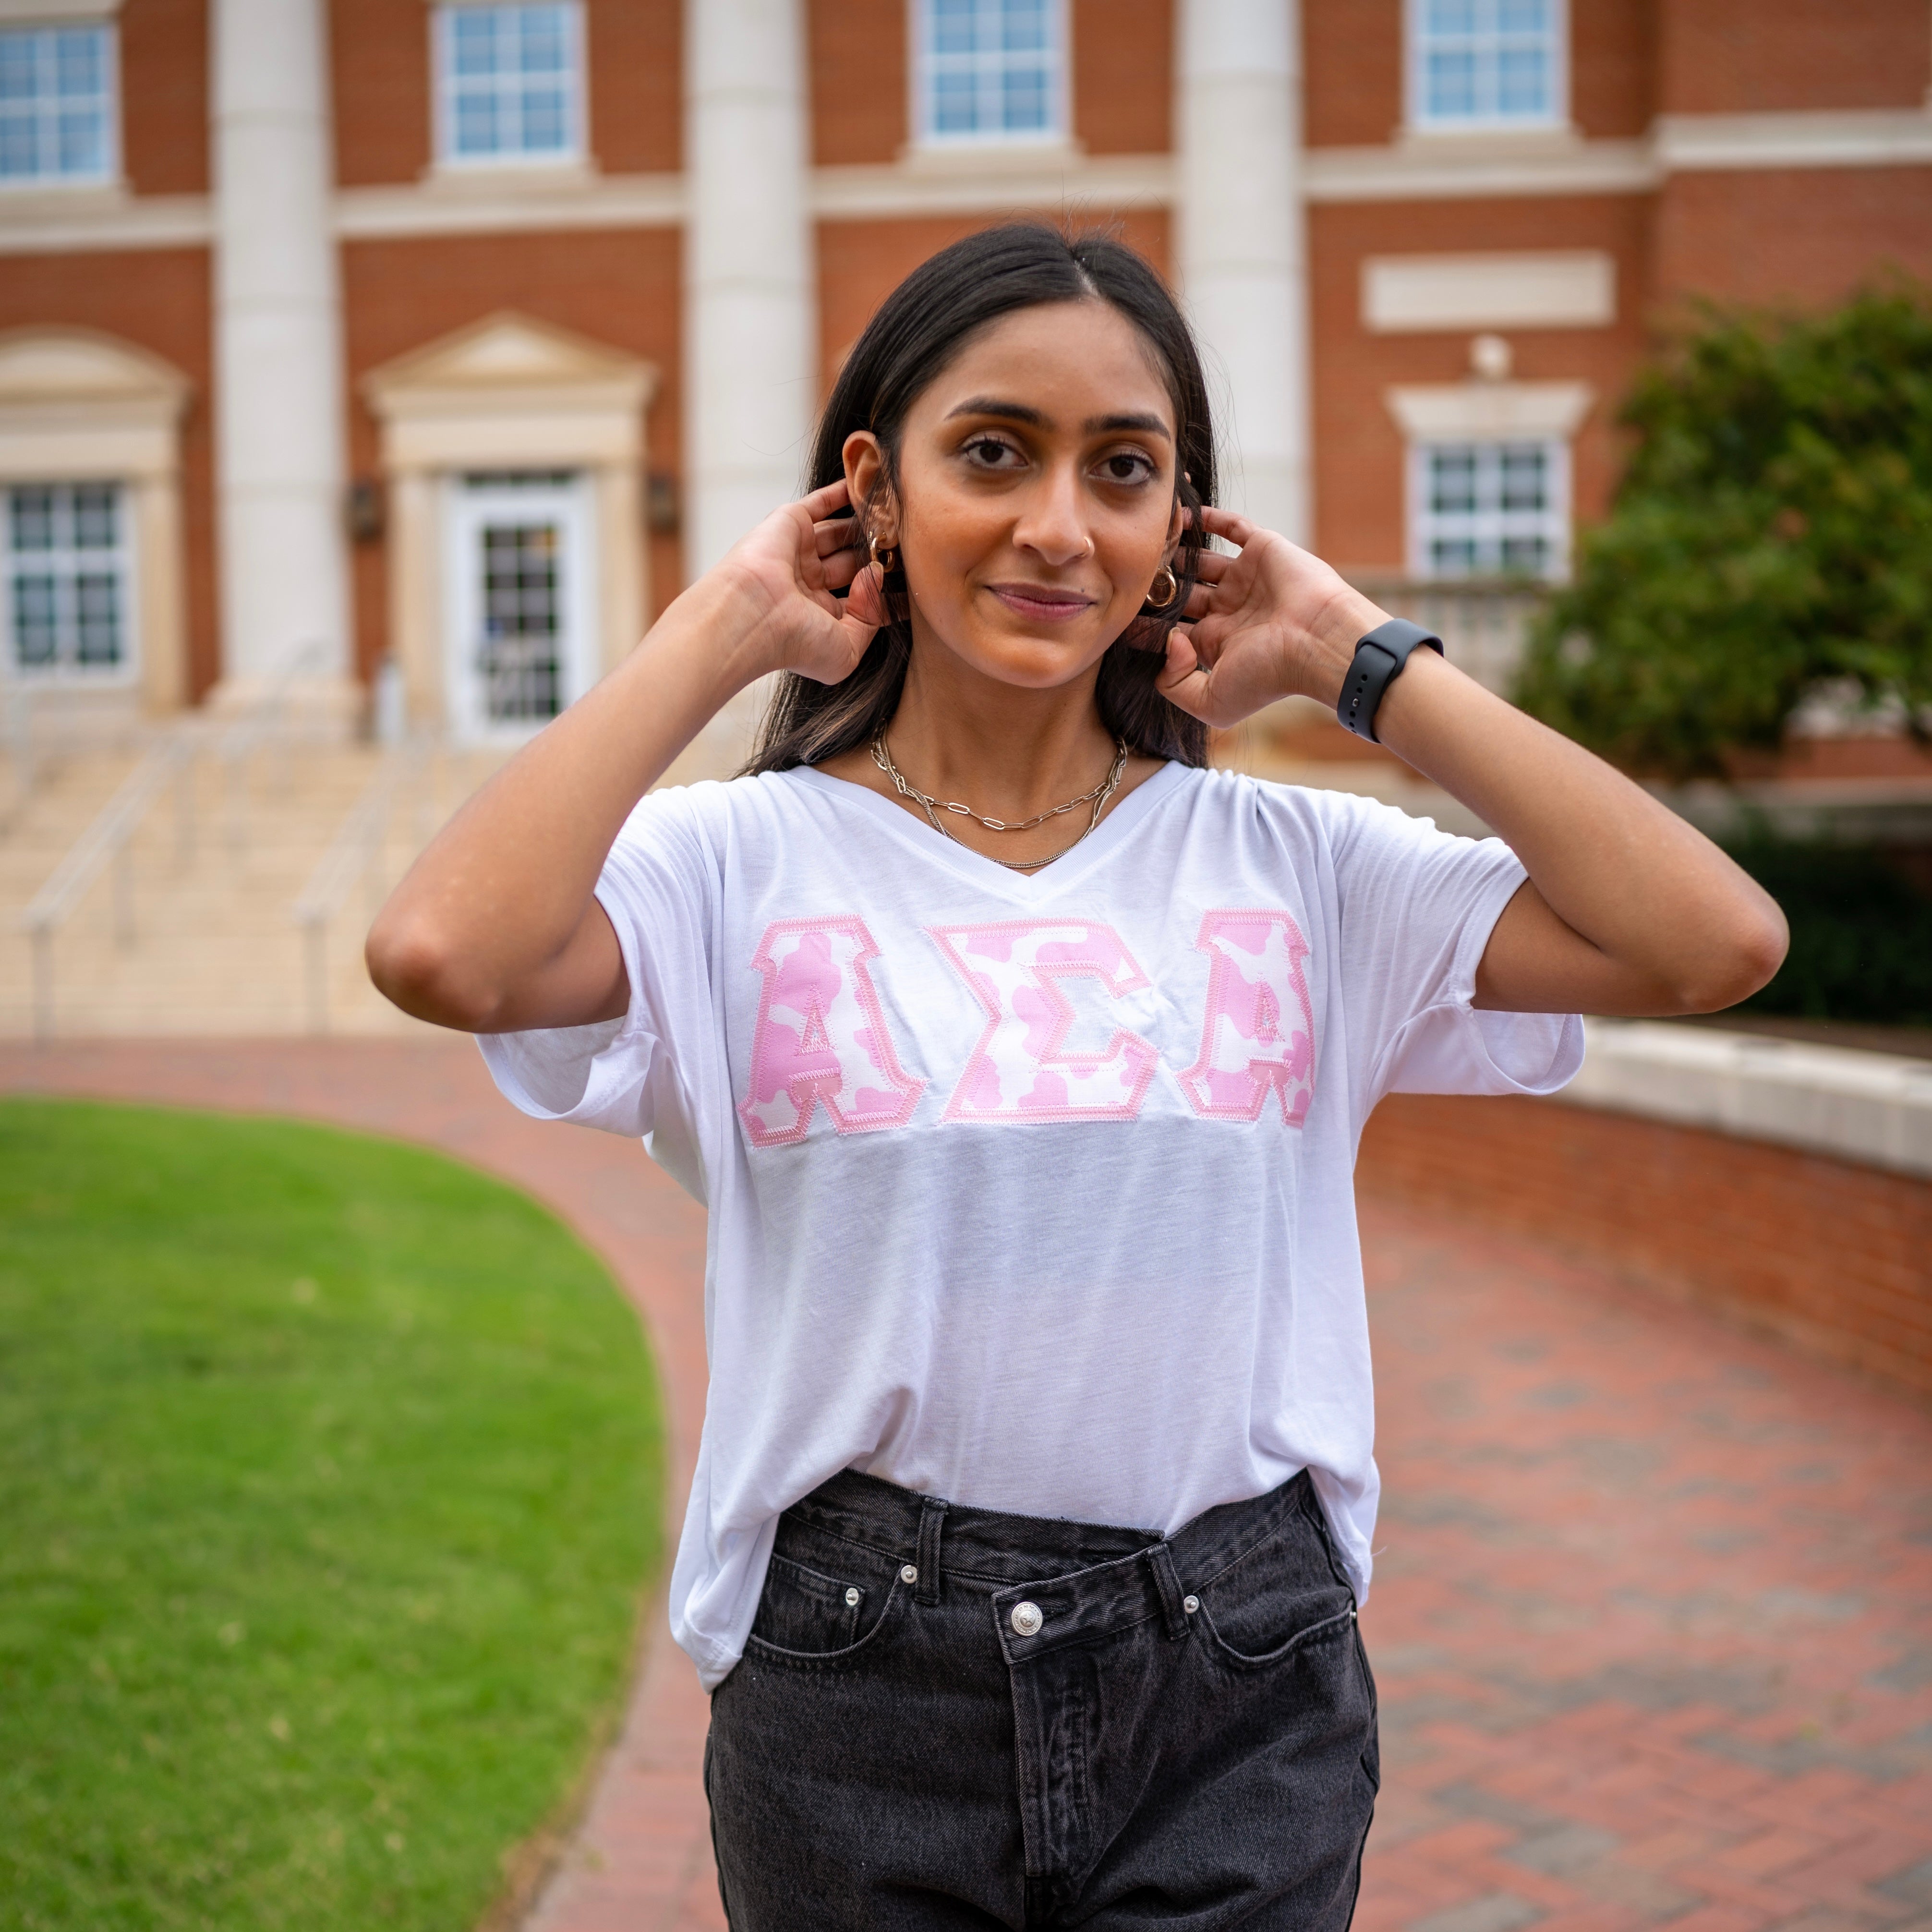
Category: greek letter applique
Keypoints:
(1258, 1035)
(821, 1035)
(1020, 1070)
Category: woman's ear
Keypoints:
(864, 474)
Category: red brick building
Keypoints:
(463, 332)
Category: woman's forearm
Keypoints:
(495, 924)
(1634, 910)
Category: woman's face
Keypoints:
(1035, 496)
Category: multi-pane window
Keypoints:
(991, 69)
(68, 568)
(1489, 509)
(1486, 63)
(509, 82)
(56, 105)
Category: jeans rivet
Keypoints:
(852, 1596)
(910, 1574)
(1190, 1604)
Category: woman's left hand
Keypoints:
(1272, 621)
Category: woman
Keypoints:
(1020, 1060)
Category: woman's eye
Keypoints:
(989, 451)
(1126, 465)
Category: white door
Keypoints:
(521, 627)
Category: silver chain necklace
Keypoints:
(932, 807)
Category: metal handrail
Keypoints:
(355, 853)
(105, 841)
(107, 838)
(252, 728)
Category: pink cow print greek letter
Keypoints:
(821, 1035)
(1020, 1070)
(1258, 1033)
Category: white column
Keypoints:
(1243, 252)
(750, 334)
(278, 348)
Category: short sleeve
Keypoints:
(635, 1075)
(1417, 906)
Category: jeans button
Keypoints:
(1027, 1619)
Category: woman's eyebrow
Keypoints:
(1024, 413)
(1140, 425)
(992, 405)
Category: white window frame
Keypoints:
(1556, 113)
(66, 562)
(1553, 522)
(471, 501)
(442, 28)
(924, 64)
(109, 170)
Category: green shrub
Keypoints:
(1861, 934)
(1773, 534)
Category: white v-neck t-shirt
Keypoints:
(1033, 1192)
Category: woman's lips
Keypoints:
(1040, 604)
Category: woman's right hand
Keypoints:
(784, 574)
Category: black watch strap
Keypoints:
(1379, 657)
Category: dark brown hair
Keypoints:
(918, 329)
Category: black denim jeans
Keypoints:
(949, 1718)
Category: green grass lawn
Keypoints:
(330, 1477)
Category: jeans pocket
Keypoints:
(807, 1615)
(1278, 1598)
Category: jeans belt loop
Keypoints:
(1167, 1586)
(931, 1514)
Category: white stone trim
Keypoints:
(1241, 242)
(51, 13)
(1546, 288)
(77, 406)
(1480, 412)
(508, 201)
(280, 425)
(1864, 137)
(50, 220)
(991, 177)
(509, 393)
(1872, 1108)
(1447, 167)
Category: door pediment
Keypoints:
(509, 391)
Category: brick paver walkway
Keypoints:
(1653, 1618)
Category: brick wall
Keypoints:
(1358, 448)
(379, 52)
(1123, 75)
(860, 263)
(621, 288)
(1353, 51)
(1757, 56)
(158, 299)
(1831, 1256)
(1835, 229)
(858, 61)
(164, 96)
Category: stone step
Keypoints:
(215, 949)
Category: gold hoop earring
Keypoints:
(1158, 599)
(882, 557)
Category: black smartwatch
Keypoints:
(1379, 657)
